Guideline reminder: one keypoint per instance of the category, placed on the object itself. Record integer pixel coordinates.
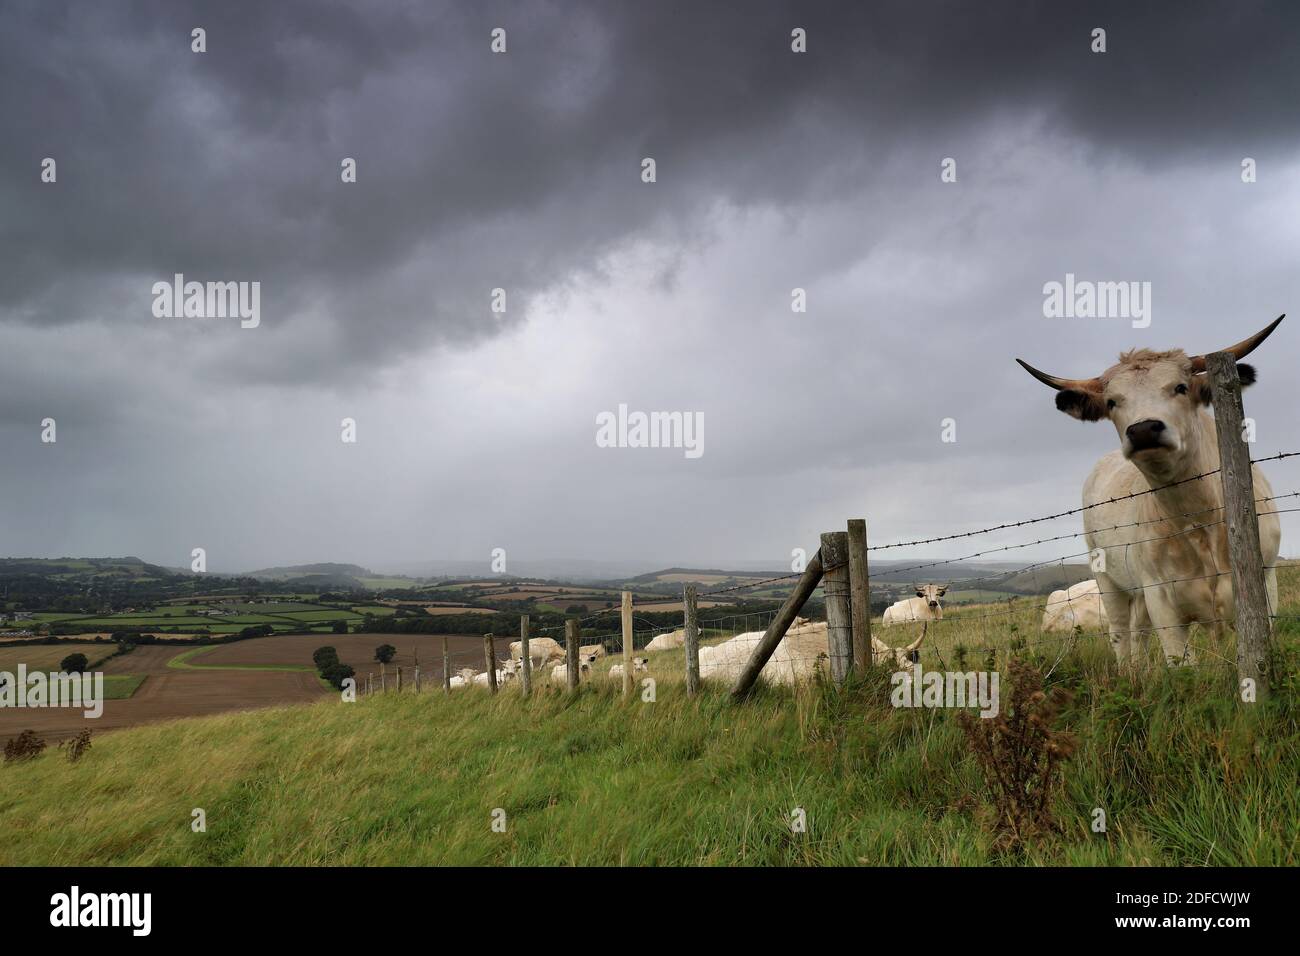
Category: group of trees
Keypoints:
(330, 667)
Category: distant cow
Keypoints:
(560, 674)
(1164, 552)
(800, 656)
(594, 650)
(924, 607)
(639, 665)
(667, 642)
(1079, 605)
(540, 650)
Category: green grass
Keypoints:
(182, 662)
(1186, 778)
(121, 686)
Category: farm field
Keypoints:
(150, 684)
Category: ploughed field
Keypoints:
(181, 681)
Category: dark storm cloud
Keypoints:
(479, 171)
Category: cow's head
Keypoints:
(931, 593)
(1152, 398)
(904, 658)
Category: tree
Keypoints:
(340, 627)
(337, 673)
(322, 657)
(74, 664)
(385, 653)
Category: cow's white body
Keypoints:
(800, 656)
(911, 611)
(1183, 576)
(1076, 606)
(540, 650)
(667, 642)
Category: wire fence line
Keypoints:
(729, 643)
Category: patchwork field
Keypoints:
(162, 682)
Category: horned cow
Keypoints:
(1163, 551)
(924, 607)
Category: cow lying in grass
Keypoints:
(924, 607)
(800, 655)
(1077, 606)
(560, 675)
(639, 665)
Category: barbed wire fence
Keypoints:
(782, 647)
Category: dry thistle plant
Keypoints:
(26, 746)
(77, 746)
(1022, 755)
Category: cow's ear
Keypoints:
(1205, 393)
(1085, 406)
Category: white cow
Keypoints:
(667, 642)
(1076, 606)
(505, 672)
(924, 607)
(462, 678)
(560, 674)
(540, 650)
(1156, 401)
(591, 650)
(639, 665)
(800, 655)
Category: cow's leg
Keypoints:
(1117, 603)
(1171, 623)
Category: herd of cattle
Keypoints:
(800, 655)
(1159, 553)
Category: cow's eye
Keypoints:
(1180, 389)
(1110, 403)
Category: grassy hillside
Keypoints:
(1185, 778)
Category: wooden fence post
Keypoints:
(526, 670)
(416, 675)
(571, 653)
(803, 589)
(692, 643)
(490, 656)
(859, 594)
(839, 618)
(627, 643)
(446, 666)
(383, 677)
(399, 678)
(1254, 653)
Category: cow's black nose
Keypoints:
(1145, 434)
(934, 604)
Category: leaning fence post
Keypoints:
(859, 594)
(526, 670)
(835, 588)
(692, 642)
(1253, 646)
(489, 655)
(446, 666)
(803, 589)
(571, 653)
(627, 643)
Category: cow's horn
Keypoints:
(917, 643)
(1060, 384)
(1242, 348)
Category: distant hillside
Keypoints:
(324, 569)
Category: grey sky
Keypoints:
(775, 170)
